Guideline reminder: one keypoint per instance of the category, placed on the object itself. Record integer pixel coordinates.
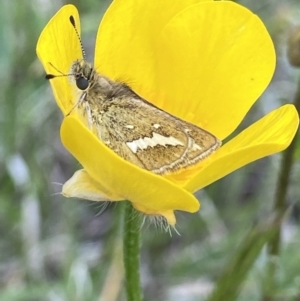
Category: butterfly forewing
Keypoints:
(137, 130)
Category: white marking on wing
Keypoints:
(157, 139)
(129, 126)
(196, 146)
(156, 125)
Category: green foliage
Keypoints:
(53, 248)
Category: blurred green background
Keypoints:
(55, 249)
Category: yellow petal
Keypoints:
(271, 134)
(144, 189)
(216, 59)
(57, 48)
(126, 40)
(81, 185)
(168, 214)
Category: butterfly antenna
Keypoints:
(51, 76)
(72, 20)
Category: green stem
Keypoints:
(131, 249)
(280, 206)
(233, 275)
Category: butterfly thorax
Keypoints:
(96, 88)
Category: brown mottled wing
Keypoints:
(152, 138)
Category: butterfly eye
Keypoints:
(82, 83)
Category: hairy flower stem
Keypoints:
(279, 206)
(131, 249)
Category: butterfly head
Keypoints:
(82, 73)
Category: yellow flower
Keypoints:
(205, 62)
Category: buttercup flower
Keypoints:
(205, 62)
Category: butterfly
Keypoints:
(131, 126)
